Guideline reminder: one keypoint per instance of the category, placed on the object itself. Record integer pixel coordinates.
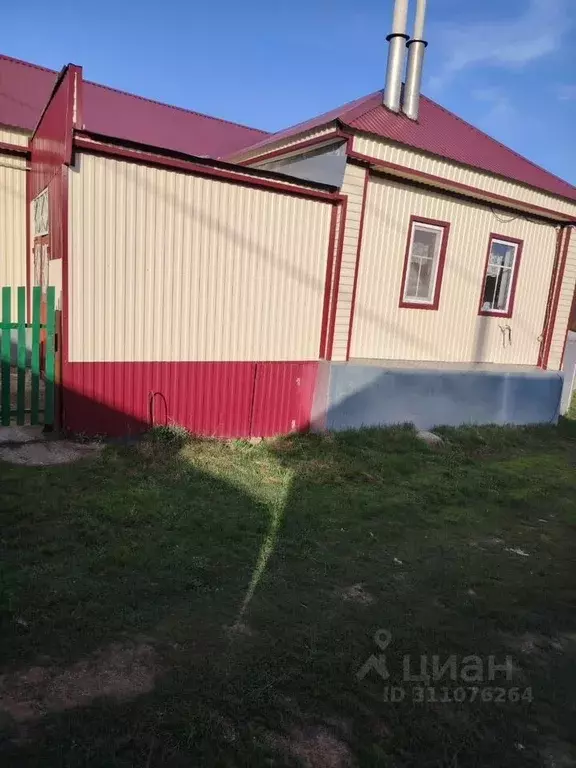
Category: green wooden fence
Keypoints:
(31, 371)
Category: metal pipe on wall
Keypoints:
(396, 56)
(416, 49)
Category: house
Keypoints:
(381, 263)
(26, 89)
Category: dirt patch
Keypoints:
(48, 452)
(119, 672)
(356, 594)
(314, 748)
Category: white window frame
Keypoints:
(41, 214)
(517, 246)
(442, 230)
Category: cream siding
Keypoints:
(54, 278)
(455, 332)
(380, 149)
(353, 188)
(564, 305)
(13, 136)
(291, 141)
(167, 266)
(12, 222)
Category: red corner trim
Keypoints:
(445, 226)
(336, 280)
(517, 260)
(28, 241)
(553, 278)
(357, 265)
(554, 310)
(196, 169)
(410, 174)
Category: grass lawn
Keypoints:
(213, 605)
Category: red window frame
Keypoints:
(435, 302)
(508, 312)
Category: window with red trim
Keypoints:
(500, 276)
(424, 263)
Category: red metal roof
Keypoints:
(25, 89)
(438, 132)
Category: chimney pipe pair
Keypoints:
(398, 40)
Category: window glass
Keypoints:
(423, 263)
(499, 274)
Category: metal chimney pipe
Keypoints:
(416, 49)
(396, 56)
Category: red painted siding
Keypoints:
(51, 144)
(212, 399)
(283, 395)
(118, 399)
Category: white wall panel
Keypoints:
(455, 332)
(168, 266)
(12, 222)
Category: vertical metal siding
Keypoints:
(353, 187)
(168, 266)
(283, 394)
(455, 332)
(212, 399)
(380, 149)
(10, 135)
(13, 222)
(564, 305)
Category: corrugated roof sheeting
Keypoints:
(26, 89)
(437, 132)
(443, 133)
(169, 266)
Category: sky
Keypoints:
(507, 66)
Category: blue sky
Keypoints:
(508, 66)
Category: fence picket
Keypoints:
(5, 353)
(21, 358)
(35, 389)
(50, 356)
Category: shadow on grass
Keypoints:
(253, 580)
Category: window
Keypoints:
(424, 263)
(41, 222)
(500, 276)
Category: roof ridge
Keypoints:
(174, 106)
(500, 143)
(358, 114)
(28, 64)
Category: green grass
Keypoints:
(250, 580)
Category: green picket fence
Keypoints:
(25, 367)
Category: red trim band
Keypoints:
(188, 166)
(515, 270)
(357, 265)
(435, 303)
(14, 149)
(408, 174)
(556, 301)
